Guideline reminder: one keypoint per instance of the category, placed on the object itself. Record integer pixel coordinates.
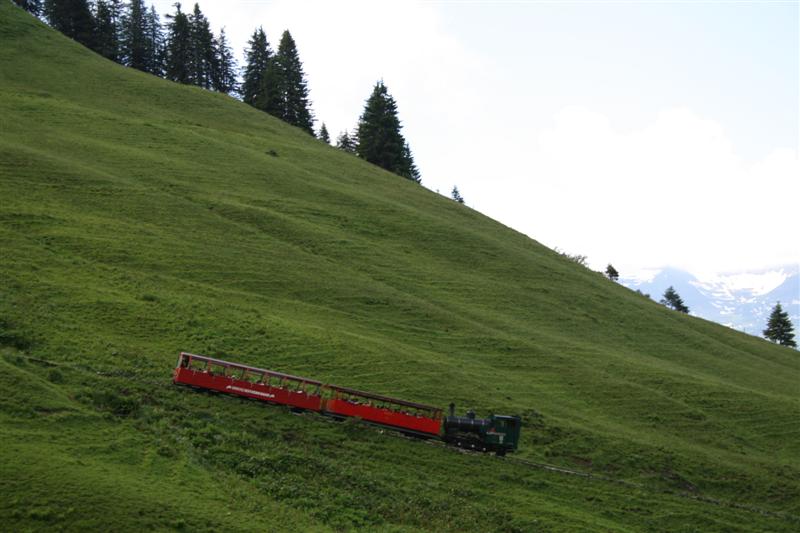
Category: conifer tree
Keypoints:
(257, 58)
(178, 66)
(286, 81)
(269, 97)
(155, 45)
(779, 327)
(456, 195)
(202, 54)
(673, 300)
(225, 66)
(379, 138)
(72, 18)
(33, 7)
(133, 36)
(346, 142)
(323, 134)
(612, 273)
(412, 172)
(106, 31)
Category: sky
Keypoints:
(642, 134)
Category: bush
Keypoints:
(12, 337)
(112, 402)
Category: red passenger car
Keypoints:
(250, 382)
(408, 416)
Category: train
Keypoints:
(497, 433)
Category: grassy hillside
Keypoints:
(139, 218)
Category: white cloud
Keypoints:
(671, 193)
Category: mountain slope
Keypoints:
(140, 218)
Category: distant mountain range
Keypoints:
(742, 301)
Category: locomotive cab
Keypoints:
(503, 433)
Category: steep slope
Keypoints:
(139, 218)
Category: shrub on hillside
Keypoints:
(112, 402)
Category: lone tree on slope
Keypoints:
(779, 327)
(378, 135)
(673, 300)
(456, 195)
(612, 273)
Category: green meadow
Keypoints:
(140, 218)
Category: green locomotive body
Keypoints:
(497, 433)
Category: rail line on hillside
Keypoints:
(788, 517)
(633, 484)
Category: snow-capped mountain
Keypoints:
(741, 301)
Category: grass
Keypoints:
(140, 218)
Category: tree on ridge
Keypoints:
(224, 74)
(179, 47)
(611, 273)
(106, 30)
(779, 327)
(155, 46)
(33, 7)
(323, 134)
(257, 56)
(133, 34)
(284, 87)
(346, 143)
(202, 55)
(673, 300)
(73, 18)
(379, 138)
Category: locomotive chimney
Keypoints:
(452, 409)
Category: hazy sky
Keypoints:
(643, 134)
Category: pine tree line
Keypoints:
(185, 50)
